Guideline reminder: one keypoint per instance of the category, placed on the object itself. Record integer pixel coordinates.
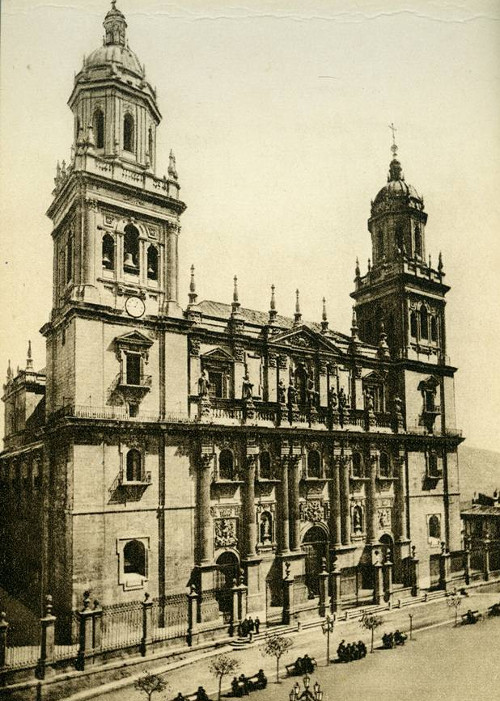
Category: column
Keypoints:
(294, 501)
(400, 499)
(206, 545)
(346, 513)
(372, 505)
(4, 626)
(444, 567)
(486, 559)
(171, 266)
(335, 511)
(251, 527)
(47, 639)
(285, 514)
(378, 588)
(89, 248)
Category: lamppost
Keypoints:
(307, 695)
(411, 625)
(327, 628)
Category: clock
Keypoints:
(135, 307)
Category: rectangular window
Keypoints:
(133, 369)
(216, 383)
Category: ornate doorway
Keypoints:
(387, 544)
(227, 571)
(315, 545)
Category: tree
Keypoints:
(221, 666)
(370, 622)
(275, 646)
(455, 601)
(149, 684)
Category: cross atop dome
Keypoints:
(115, 26)
(394, 147)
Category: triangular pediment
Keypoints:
(134, 338)
(304, 338)
(218, 354)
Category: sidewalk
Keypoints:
(186, 675)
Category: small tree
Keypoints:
(220, 667)
(455, 601)
(370, 622)
(275, 646)
(149, 684)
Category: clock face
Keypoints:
(135, 307)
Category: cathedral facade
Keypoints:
(213, 447)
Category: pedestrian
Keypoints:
(257, 625)
(251, 624)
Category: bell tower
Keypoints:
(401, 294)
(116, 222)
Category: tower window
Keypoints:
(385, 465)
(128, 133)
(99, 128)
(131, 250)
(424, 322)
(400, 237)
(108, 252)
(226, 464)
(413, 324)
(69, 260)
(134, 466)
(152, 263)
(434, 526)
(418, 242)
(133, 369)
(433, 328)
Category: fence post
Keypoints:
(378, 589)
(323, 589)
(97, 625)
(47, 640)
(147, 612)
(486, 558)
(415, 579)
(192, 610)
(4, 626)
(86, 637)
(444, 567)
(288, 607)
(336, 588)
(388, 581)
(467, 556)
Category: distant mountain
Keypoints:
(479, 471)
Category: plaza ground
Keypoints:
(442, 662)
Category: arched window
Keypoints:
(413, 325)
(434, 333)
(418, 242)
(108, 252)
(265, 465)
(266, 527)
(134, 466)
(385, 465)
(131, 250)
(380, 244)
(128, 133)
(69, 259)
(226, 464)
(314, 464)
(99, 128)
(434, 526)
(357, 519)
(357, 465)
(134, 558)
(400, 243)
(424, 322)
(150, 144)
(152, 263)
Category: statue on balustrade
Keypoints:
(292, 394)
(247, 387)
(203, 384)
(281, 392)
(311, 393)
(332, 399)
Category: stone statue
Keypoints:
(292, 393)
(281, 392)
(342, 400)
(356, 521)
(332, 398)
(369, 401)
(203, 384)
(247, 387)
(311, 392)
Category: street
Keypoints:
(442, 662)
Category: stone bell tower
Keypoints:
(115, 221)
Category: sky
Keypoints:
(278, 115)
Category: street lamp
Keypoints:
(327, 628)
(307, 695)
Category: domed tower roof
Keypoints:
(397, 192)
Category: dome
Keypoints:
(397, 190)
(115, 53)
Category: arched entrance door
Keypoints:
(227, 572)
(315, 545)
